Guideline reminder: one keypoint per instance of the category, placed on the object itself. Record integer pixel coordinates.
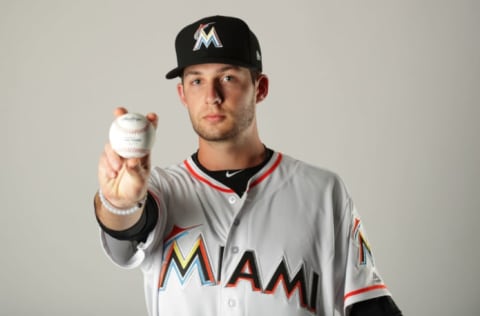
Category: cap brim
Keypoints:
(177, 72)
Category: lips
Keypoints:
(214, 117)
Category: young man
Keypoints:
(237, 228)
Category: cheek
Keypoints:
(191, 102)
(191, 110)
(242, 95)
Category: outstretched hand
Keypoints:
(124, 181)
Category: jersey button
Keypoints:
(232, 303)
(232, 199)
(236, 222)
(235, 249)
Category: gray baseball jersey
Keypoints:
(293, 244)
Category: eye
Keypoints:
(228, 78)
(195, 82)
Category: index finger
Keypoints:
(153, 118)
(119, 111)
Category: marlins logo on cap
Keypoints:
(216, 39)
(206, 39)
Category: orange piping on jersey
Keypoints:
(199, 177)
(366, 289)
(356, 224)
(222, 189)
(269, 171)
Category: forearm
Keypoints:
(140, 230)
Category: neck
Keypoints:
(227, 156)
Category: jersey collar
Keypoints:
(263, 174)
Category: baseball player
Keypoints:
(237, 228)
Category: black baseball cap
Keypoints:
(216, 39)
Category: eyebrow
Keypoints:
(229, 67)
(223, 69)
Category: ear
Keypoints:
(262, 87)
(181, 93)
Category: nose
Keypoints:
(213, 94)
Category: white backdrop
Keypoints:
(385, 93)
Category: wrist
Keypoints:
(121, 211)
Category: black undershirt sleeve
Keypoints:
(379, 306)
(138, 232)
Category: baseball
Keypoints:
(132, 135)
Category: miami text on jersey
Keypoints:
(197, 260)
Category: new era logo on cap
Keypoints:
(216, 39)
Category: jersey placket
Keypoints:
(231, 303)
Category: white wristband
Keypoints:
(117, 211)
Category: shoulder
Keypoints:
(309, 179)
(307, 172)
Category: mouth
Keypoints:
(214, 118)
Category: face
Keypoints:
(221, 100)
